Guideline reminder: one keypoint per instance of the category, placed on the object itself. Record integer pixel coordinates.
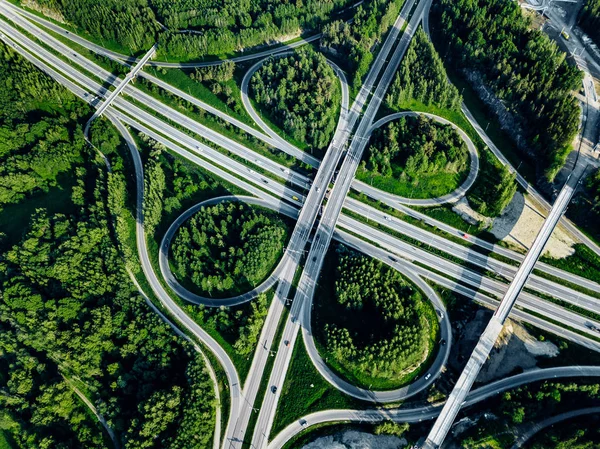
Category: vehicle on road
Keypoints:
(443, 342)
(273, 389)
(295, 198)
(440, 313)
(428, 376)
(199, 148)
(286, 342)
(565, 35)
(592, 327)
(393, 259)
(265, 181)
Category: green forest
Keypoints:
(123, 24)
(187, 29)
(400, 321)
(224, 26)
(353, 44)
(524, 69)
(416, 157)
(422, 77)
(585, 207)
(40, 130)
(422, 84)
(530, 404)
(70, 318)
(301, 94)
(589, 19)
(228, 248)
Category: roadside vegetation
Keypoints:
(518, 72)
(580, 433)
(373, 326)
(305, 391)
(228, 248)
(422, 77)
(589, 19)
(126, 26)
(221, 28)
(585, 207)
(522, 407)
(68, 312)
(355, 44)
(422, 84)
(300, 94)
(415, 157)
(180, 185)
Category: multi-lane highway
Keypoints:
(418, 414)
(249, 187)
(267, 179)
(481, 352)
(301, 306)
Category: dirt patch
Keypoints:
(519, 224)
(48, 12)
(352, 439)
(464, 210)
(515, 350)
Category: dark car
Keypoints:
(393, 259)
(274, 389)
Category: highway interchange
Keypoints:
(280, 190)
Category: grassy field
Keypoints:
(584, 263)
(305, 391)
(427, 186)
(181, 80)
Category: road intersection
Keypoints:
(330, 225)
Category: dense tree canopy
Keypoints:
(491, 41)
(377, 323)
(224, 26)
(69, 315)
(40, 126)
(530, 404)
(301, 94)
(416, 153)
(128, 23)
(228, 248)
(354, 43)
(422, 77)
(589, 19)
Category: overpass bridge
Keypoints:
(481, 352)
(132, 74)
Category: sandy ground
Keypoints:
(519, 225)
(516, 348)
(352, 439)
(463, 208)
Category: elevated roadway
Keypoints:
(481, 352)
(115, 93)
